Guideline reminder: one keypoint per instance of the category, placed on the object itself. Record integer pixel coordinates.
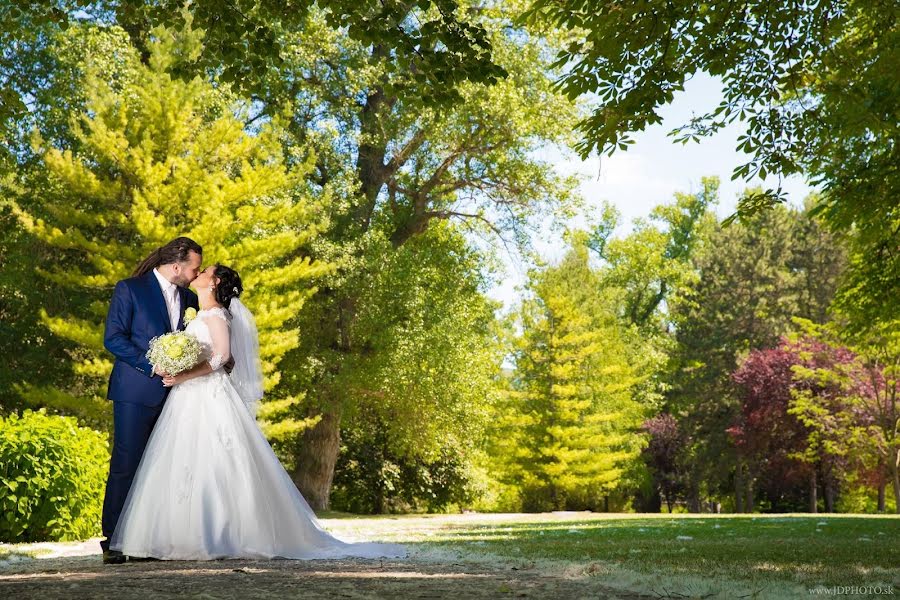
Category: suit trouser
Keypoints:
(132, 425)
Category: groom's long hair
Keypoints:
(175, 251)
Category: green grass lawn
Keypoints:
(666, 556)
(705, 555)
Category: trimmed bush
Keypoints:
(52, 475)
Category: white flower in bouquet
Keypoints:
(174, 352)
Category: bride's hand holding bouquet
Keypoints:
(173, 353)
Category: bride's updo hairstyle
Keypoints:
(229, 285)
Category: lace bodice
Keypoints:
(211, 328)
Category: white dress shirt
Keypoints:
(170, 293)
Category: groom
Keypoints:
(150, 303)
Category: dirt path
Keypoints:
(86, 577)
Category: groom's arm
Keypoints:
(117, 336)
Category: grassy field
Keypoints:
(671, 555)
(566, 555)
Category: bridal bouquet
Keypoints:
(174, 352)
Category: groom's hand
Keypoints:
(229, 366)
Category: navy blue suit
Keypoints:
(136, 315)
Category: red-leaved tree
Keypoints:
(662, 455)
(814, 410)
(766, 436)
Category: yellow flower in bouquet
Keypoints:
(174, 352)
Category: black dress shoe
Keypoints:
(113, 557)
(141, 558)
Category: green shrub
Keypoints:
(52, 475)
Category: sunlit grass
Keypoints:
(760, 551)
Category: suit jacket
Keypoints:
(136, 315)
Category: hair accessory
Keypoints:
(235, 289)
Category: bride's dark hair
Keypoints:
(229, 285)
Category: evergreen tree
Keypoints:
(60, 67)
(571, 428)
(819, 261)
(156, 157)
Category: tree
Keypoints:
(655, 260)
(742, 299)
(880, 402)
(435, 41)
(820, 263)
(154, 159)
(424, 379)
(816, 84)
(402, 168)
(767, 437)
(61, 63)
(571, 414)
(824, 400)
(397, 151)
(662, 455)
(644, 270)
(847, 398)
(37, 357)
(751, 279)
(814, 410)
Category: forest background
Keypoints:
(369, 168)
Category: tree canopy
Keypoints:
(434, 42)
(814, 83)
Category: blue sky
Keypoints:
(649, 173)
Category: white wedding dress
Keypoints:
(209, 486)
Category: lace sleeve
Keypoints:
(221, 339)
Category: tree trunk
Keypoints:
(739, 488)
(316, 458)
(895, 479)
(882, 489)
(813, 493)
(694, 498)
(379, 504)
(829, 495)
(748, 498)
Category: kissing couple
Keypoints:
(191, 476)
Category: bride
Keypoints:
(208, 485)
